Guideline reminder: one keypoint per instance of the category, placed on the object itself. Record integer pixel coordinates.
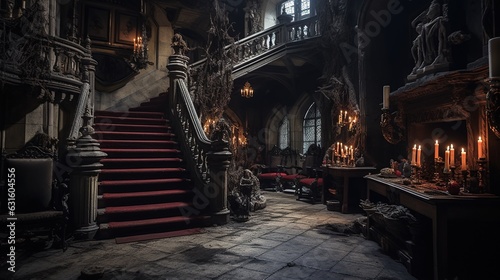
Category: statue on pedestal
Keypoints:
(430, 48)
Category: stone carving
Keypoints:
(253, 14)
(179, 45)
(430, 49)
(245, 196)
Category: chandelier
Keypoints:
(247, 90)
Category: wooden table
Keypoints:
(442, 209)
(345, 173)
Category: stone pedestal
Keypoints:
(218, 161)
(85, 159)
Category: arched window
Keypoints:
(299, 9)
(284, 134)
(312, 127)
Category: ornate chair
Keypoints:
(269, 176)
(33, 197)
(310, 184)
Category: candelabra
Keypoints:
(392, 130)
(139, 58)
(347, 121)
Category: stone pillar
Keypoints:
(218, 159)
(84, 160)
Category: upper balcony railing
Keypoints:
(250, 49)
(28, 56)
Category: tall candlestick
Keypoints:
(436, 150)
(479, 148)
(419, 152)
(385, 101)
(414, 155)
(463, 157)
(351, 151)
(340, 117)
(447, 159)
(452, 156)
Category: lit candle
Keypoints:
(452, 156)
(414, 155)
(385, 103)
(463, 158)
(479, 148)
(419, 152)
(340, 117)
(436, 150)
(447, 159)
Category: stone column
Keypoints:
(218, 159)
(84, 158)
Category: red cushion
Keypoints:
(309, 181)
(292, 177)
(271, 175)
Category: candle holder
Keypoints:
(452, 172)
(139, 58)
(391, 126)
(417, 174)
(438, 162)
(482, 173)
(473, 183)
(465, 187)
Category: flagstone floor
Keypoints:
(286, 240)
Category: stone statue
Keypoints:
(253, 18)
(430, 49)
(246, 197)
(179, 45)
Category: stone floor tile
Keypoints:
(247, 250)
(278, 236)
(266, 266)
(243, 273)
(357, 269)
(292, 272)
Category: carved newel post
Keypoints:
(85, 160)
(218, 159)
(177, 65)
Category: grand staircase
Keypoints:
(144, 187)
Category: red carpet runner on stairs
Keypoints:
(144, 186)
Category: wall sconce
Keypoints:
(493, 95)
(390, 123)
(139, 58)
(247, 90)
